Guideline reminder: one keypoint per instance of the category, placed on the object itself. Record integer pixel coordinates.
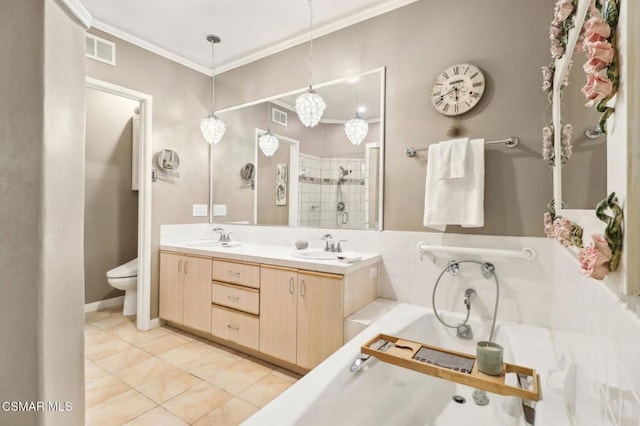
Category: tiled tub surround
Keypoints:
(596, 330)
(592, 324)
(318, 182)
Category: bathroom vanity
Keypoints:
(263, 300)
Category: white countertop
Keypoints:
(274, 255)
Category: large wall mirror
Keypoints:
(317, 177)
(581, 182)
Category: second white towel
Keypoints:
(456, 201)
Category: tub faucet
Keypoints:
(469, 294)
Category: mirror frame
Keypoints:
(383, 78)
(584, 217)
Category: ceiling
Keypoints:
(249, 29)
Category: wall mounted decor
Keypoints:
(281, 184)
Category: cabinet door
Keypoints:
(171, 280)
(197, 293)
(320, 317)
(278, 304)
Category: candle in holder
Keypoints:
(489, 358)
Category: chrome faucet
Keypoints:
(328, 246)
(224, 236)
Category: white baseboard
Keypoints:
(156, 322)
(107, 303)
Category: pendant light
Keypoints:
(212, 127)
(356, 129)
(268, 142)
(309, 105)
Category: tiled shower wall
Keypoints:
(595, 329)
(318, 198)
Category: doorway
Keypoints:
(143, 173)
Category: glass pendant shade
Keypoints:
(268, 144)
(356, 130)
(310, 107)
(212, 129)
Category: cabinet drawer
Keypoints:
(236, 273)
(244, 329)
(244, 299)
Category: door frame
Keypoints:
(143, 319)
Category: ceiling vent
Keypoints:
(100, 49)
(279, 117)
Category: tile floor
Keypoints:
(167, 377)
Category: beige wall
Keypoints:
(268, 212)
(507, 39)
(41, 170)
(111, 207)
(181, 98)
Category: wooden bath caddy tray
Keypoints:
(401, 352)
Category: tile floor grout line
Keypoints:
(114, 322)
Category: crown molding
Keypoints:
(317, 32)
(79, 11)
(263, 53)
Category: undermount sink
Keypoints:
(315, 254)
(213, 243)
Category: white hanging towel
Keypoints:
(452, 159)
(456, 201)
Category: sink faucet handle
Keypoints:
(339, 247)
(220, 231)
(227, 236)
(329, 242)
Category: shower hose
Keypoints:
(486, 269)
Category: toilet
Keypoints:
(125, 277)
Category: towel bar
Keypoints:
(525, 253)
(508, 142)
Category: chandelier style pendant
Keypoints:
(268, 144)
(309, 105)
(212, 127)
(356, 129)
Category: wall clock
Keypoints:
(457, 89)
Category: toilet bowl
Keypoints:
(125, 277)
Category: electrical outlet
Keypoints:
(219, 209)
(200, 210)
(373, 272)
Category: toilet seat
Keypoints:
(129, 269)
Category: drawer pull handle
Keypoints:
(186, 263)
(237, 274)
(291, 286)
(180, 265)
(234, 298)
(233, 327)
(302, 288)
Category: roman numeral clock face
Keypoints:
(457, 89)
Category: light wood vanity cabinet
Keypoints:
(284, 314)
(235, 296)
(185, 290)
(301, 315)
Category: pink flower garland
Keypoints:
(594, 259)
(600, 54)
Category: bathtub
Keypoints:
(383, 394)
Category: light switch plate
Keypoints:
(200, 210)
(219, 209)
